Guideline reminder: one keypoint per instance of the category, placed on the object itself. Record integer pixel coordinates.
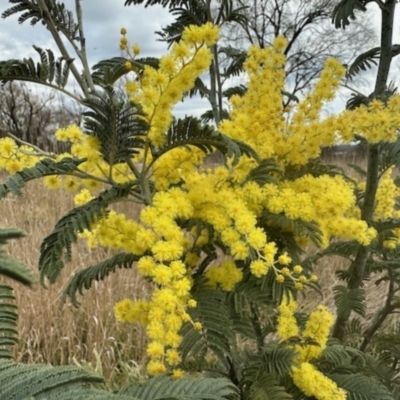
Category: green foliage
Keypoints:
(29, 10)
(283, 231)
(117, 124)
(44, 167)
(236, 59)
(263, 386)
(344, 11)
(108, 72)
(50, 71)
(363, 62)
(186, 388)
(10, 267)
(217, 334)
(348, 300)
(266, 172)
(19, 272)
(190, 131)
(56, 247)
(360, 387)
(189, 13)
(83, 279)
(165, 3)
(8, 322)
(25, 381)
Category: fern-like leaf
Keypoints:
(30, 10)
(356, 100)
(199, 88)
(262, 386)
(186, 388)
(235, 90)
(44, 167)
(8, 322)
(12, 268)
(50, 71)
(117, 124)
(56, 247)
(190, 13)
(360, 387)
(363, 62)
(237, 58)
(217, 333)
(164, 3)
(266, 172)
(43, 382)
(190, 132)
(344, 11)
(107, 72)
(84, 278)
(348, 300)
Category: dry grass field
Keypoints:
(56, 333)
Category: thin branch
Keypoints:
(82, 52)
(36, 148)
(53, 30)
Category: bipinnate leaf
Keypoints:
(9, 267)
(8, 322)
(263, 386)
(83, 279)
(43, 382)
(216, 334)
(50, 71)
(191, 132)
(348, 300)
(43, 168)
(363, 62)
(107, 72)
(344, 12)
(56, 247)
(186, 388)
(62, 18)
(361, 387)
(117, 124)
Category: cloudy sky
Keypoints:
(102, 24)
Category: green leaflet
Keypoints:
(186, 388)
(83, 279)
(56, 247)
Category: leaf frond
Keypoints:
(344, 12)
(190, 132)
(56, 247)
(118, 125)
(186, 388)
(43, 168)
(83, 279)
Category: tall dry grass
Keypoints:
(56, 333)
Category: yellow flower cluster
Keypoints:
(158, 90)
(95, 167)
(315, 384)
(386, 196)
(14, 158)
(306, 377)
(258, 117)
(312, 199)
(227, 204)
(376, 122)
(158, 235)
(295, 136)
